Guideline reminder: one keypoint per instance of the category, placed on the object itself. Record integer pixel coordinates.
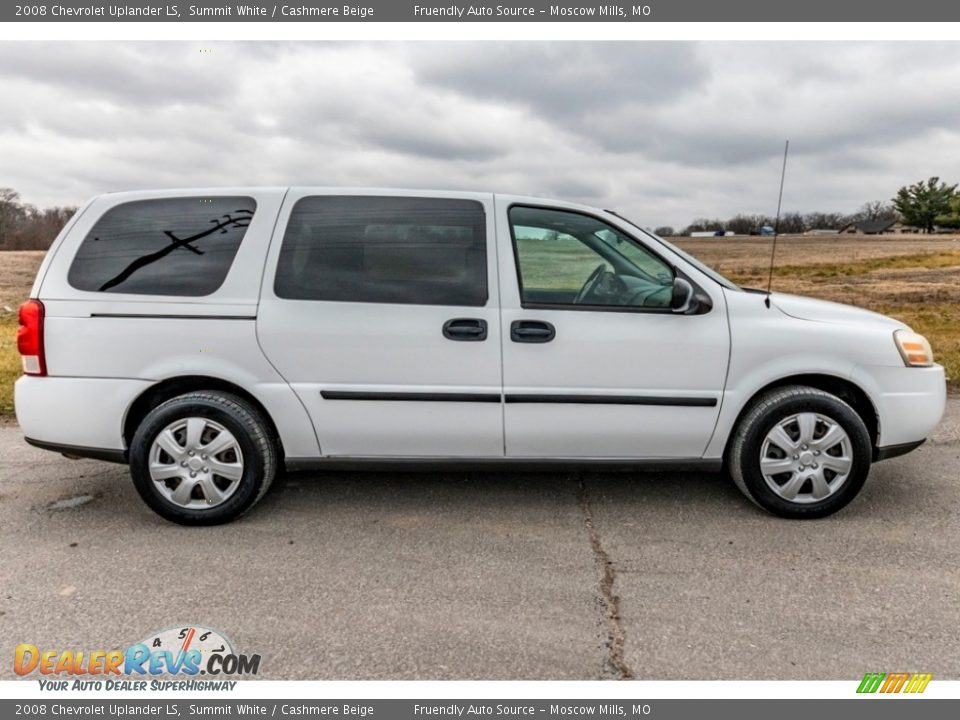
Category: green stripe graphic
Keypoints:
(871, 682)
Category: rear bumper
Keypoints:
(75, 413)
(75, 451)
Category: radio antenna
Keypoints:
(776, 224)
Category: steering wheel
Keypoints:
(596, 281)
(591, 284)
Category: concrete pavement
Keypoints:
(496, 574)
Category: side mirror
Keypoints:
(683, 300)
(687, 299)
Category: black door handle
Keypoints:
(465, 329)
(532, 331)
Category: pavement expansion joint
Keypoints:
(607, 600)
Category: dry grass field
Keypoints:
(913, 278)
(17, 270)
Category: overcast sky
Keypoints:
(663, 132)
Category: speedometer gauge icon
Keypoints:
(184, 638)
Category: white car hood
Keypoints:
(805, 308)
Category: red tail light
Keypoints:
(30, 338)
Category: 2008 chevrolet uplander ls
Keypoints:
(210, 338)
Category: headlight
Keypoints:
(914, 348)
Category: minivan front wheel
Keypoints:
(202, 458)
(800, 452)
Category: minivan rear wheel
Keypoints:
(800, 452)
(203, 458)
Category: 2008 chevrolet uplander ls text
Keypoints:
(210, 338)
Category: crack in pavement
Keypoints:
(607, 600)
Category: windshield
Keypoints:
(709, 272)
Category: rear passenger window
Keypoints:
(417, 251)
(167, 246)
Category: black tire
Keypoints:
(252, 434)
(773, 407)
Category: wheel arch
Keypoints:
(172, 387)
(848, 391)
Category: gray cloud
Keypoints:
(566, 79)
(663, 132)
(149, 75)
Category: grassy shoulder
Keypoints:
(18, 268)
(915, 261)
(940, 324)
(919, 289)
(9, 363)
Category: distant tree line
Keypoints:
(27, 227)
(793, 222)
(925, 205)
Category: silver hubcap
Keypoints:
(196, 463)
(806, 457)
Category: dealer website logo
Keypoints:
(188, 650)
(894, 682)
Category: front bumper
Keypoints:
(909, 402)
(892, 451)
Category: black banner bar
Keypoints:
(875, 708)
(513, 11)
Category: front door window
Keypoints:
(569, 259)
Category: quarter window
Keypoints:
(405, 250)
(565, 258)
(166, 246)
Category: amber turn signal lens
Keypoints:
(914, 348)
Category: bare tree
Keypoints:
(876, 210)
(747, 224)
(25, 227)
(825, 220)
(791, 223)
(10, 210)
(703, 225)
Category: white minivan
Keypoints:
(211, 338)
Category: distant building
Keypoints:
(711, 233)
(821, 231)
(877, 227)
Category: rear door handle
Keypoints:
(465, 329)
(532, 331)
